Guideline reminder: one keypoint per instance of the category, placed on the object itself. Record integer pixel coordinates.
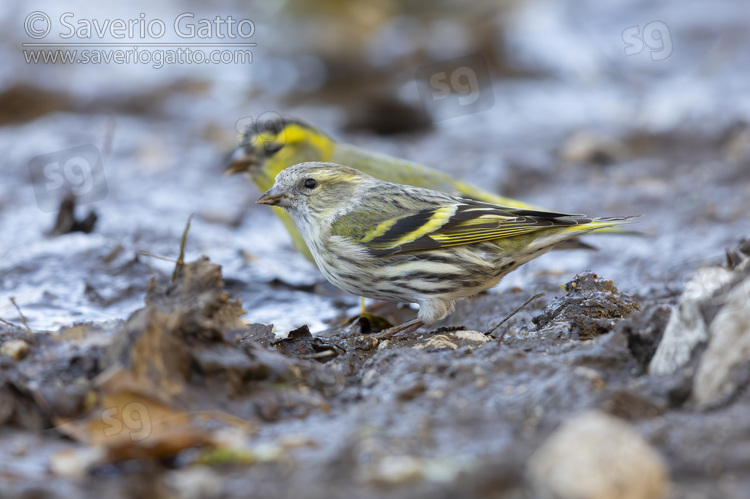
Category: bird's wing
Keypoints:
(448, 224)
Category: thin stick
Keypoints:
(319, 355)
(407, 327)
(23, 318)
(538, 295)
(159, 257)
(8, 323)
(181, 258)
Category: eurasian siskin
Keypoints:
(396, 242)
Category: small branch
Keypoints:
(181, 258)
(319, 355)
(538, 295)
(7, 323)
(23, 318)
(158, 257)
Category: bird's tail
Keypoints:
(601, 223)
(548, 239)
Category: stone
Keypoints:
(15, 349)
(597, 456)
(686, 328)
(725, 365)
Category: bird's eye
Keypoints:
(310, 183)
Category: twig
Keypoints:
(319, 355)
(538, 295)
(23, 318)
(159, 257)
(181, 258)
(8, 323)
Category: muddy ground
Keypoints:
(129, 369)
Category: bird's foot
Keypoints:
(366, 324)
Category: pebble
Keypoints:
(724, 366)
(15, 349)
(597, 456)
(686, 328)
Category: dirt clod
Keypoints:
(591, 307)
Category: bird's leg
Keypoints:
(366, 322)
(407, 327)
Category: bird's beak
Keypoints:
(240, 162)
(275, 197)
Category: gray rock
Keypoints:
(725, 365)
(686, 328)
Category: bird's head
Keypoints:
(269, 146)
(320, 189)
